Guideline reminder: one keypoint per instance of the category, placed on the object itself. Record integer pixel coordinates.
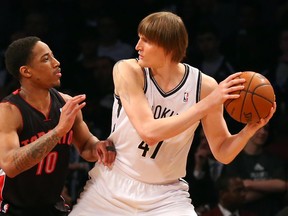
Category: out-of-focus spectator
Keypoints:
(77, 177)
(202, 174)
(263, 173)
(213, 62)
(211, 59)
(252, 41)
(231, 198)
(100, 96)
(80, 68)
(110, 41)
(277, 74)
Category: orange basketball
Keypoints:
(255, 101)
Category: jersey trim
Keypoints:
(166, 94)
(198, 91)
(2, 180)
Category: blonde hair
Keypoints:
(167, 30)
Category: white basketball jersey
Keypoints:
(166, 161)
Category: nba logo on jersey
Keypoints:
(185, 98)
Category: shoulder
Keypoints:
(208, 84)
(6, 106)
(127, 65)
(128, 71)
(128, 77)
(66, 97)
(10, 114)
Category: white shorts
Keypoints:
(109, 192)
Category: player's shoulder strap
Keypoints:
(198, 74)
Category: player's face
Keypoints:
(235, 196)
(44, 68)
(150, 54)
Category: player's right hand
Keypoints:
(106, 152)
(228, 87)
(68, 114)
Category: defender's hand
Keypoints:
(106, 152)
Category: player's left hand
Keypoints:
(264, 121)
(106, 152)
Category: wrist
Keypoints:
(56, 134)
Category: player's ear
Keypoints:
(24, 71)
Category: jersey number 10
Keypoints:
(50, 164)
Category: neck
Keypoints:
(39, 98)
(168, 77)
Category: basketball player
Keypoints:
(159, 102)
(38, 124)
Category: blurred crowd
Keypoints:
(89, 36)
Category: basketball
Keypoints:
(255, 101)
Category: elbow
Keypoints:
(226, 162)
(224, 159)
(149, 140)
(9, 169)
(10, 172)
(149, 133)
(11, 175)
(149, 137)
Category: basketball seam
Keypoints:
(255, 107)
(244, 100)
(253, 93)
(260, 96)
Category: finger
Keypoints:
(76, 99)
(237, 81)
(76, 106)
(104, 156)
(99, 156)
(272, 111)
(274, 106)
(111, 153)
(233, 76)
(79, 97)
(106, 152)
(73, 102)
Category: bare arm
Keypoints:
(89, 146)
(225, 146)
(128, 80)
(13, 159)
(257, 189)
(267, 186)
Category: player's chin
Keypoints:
(142, 63)
(57, 84)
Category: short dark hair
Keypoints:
(19, 53)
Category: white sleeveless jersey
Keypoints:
(166, 161)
